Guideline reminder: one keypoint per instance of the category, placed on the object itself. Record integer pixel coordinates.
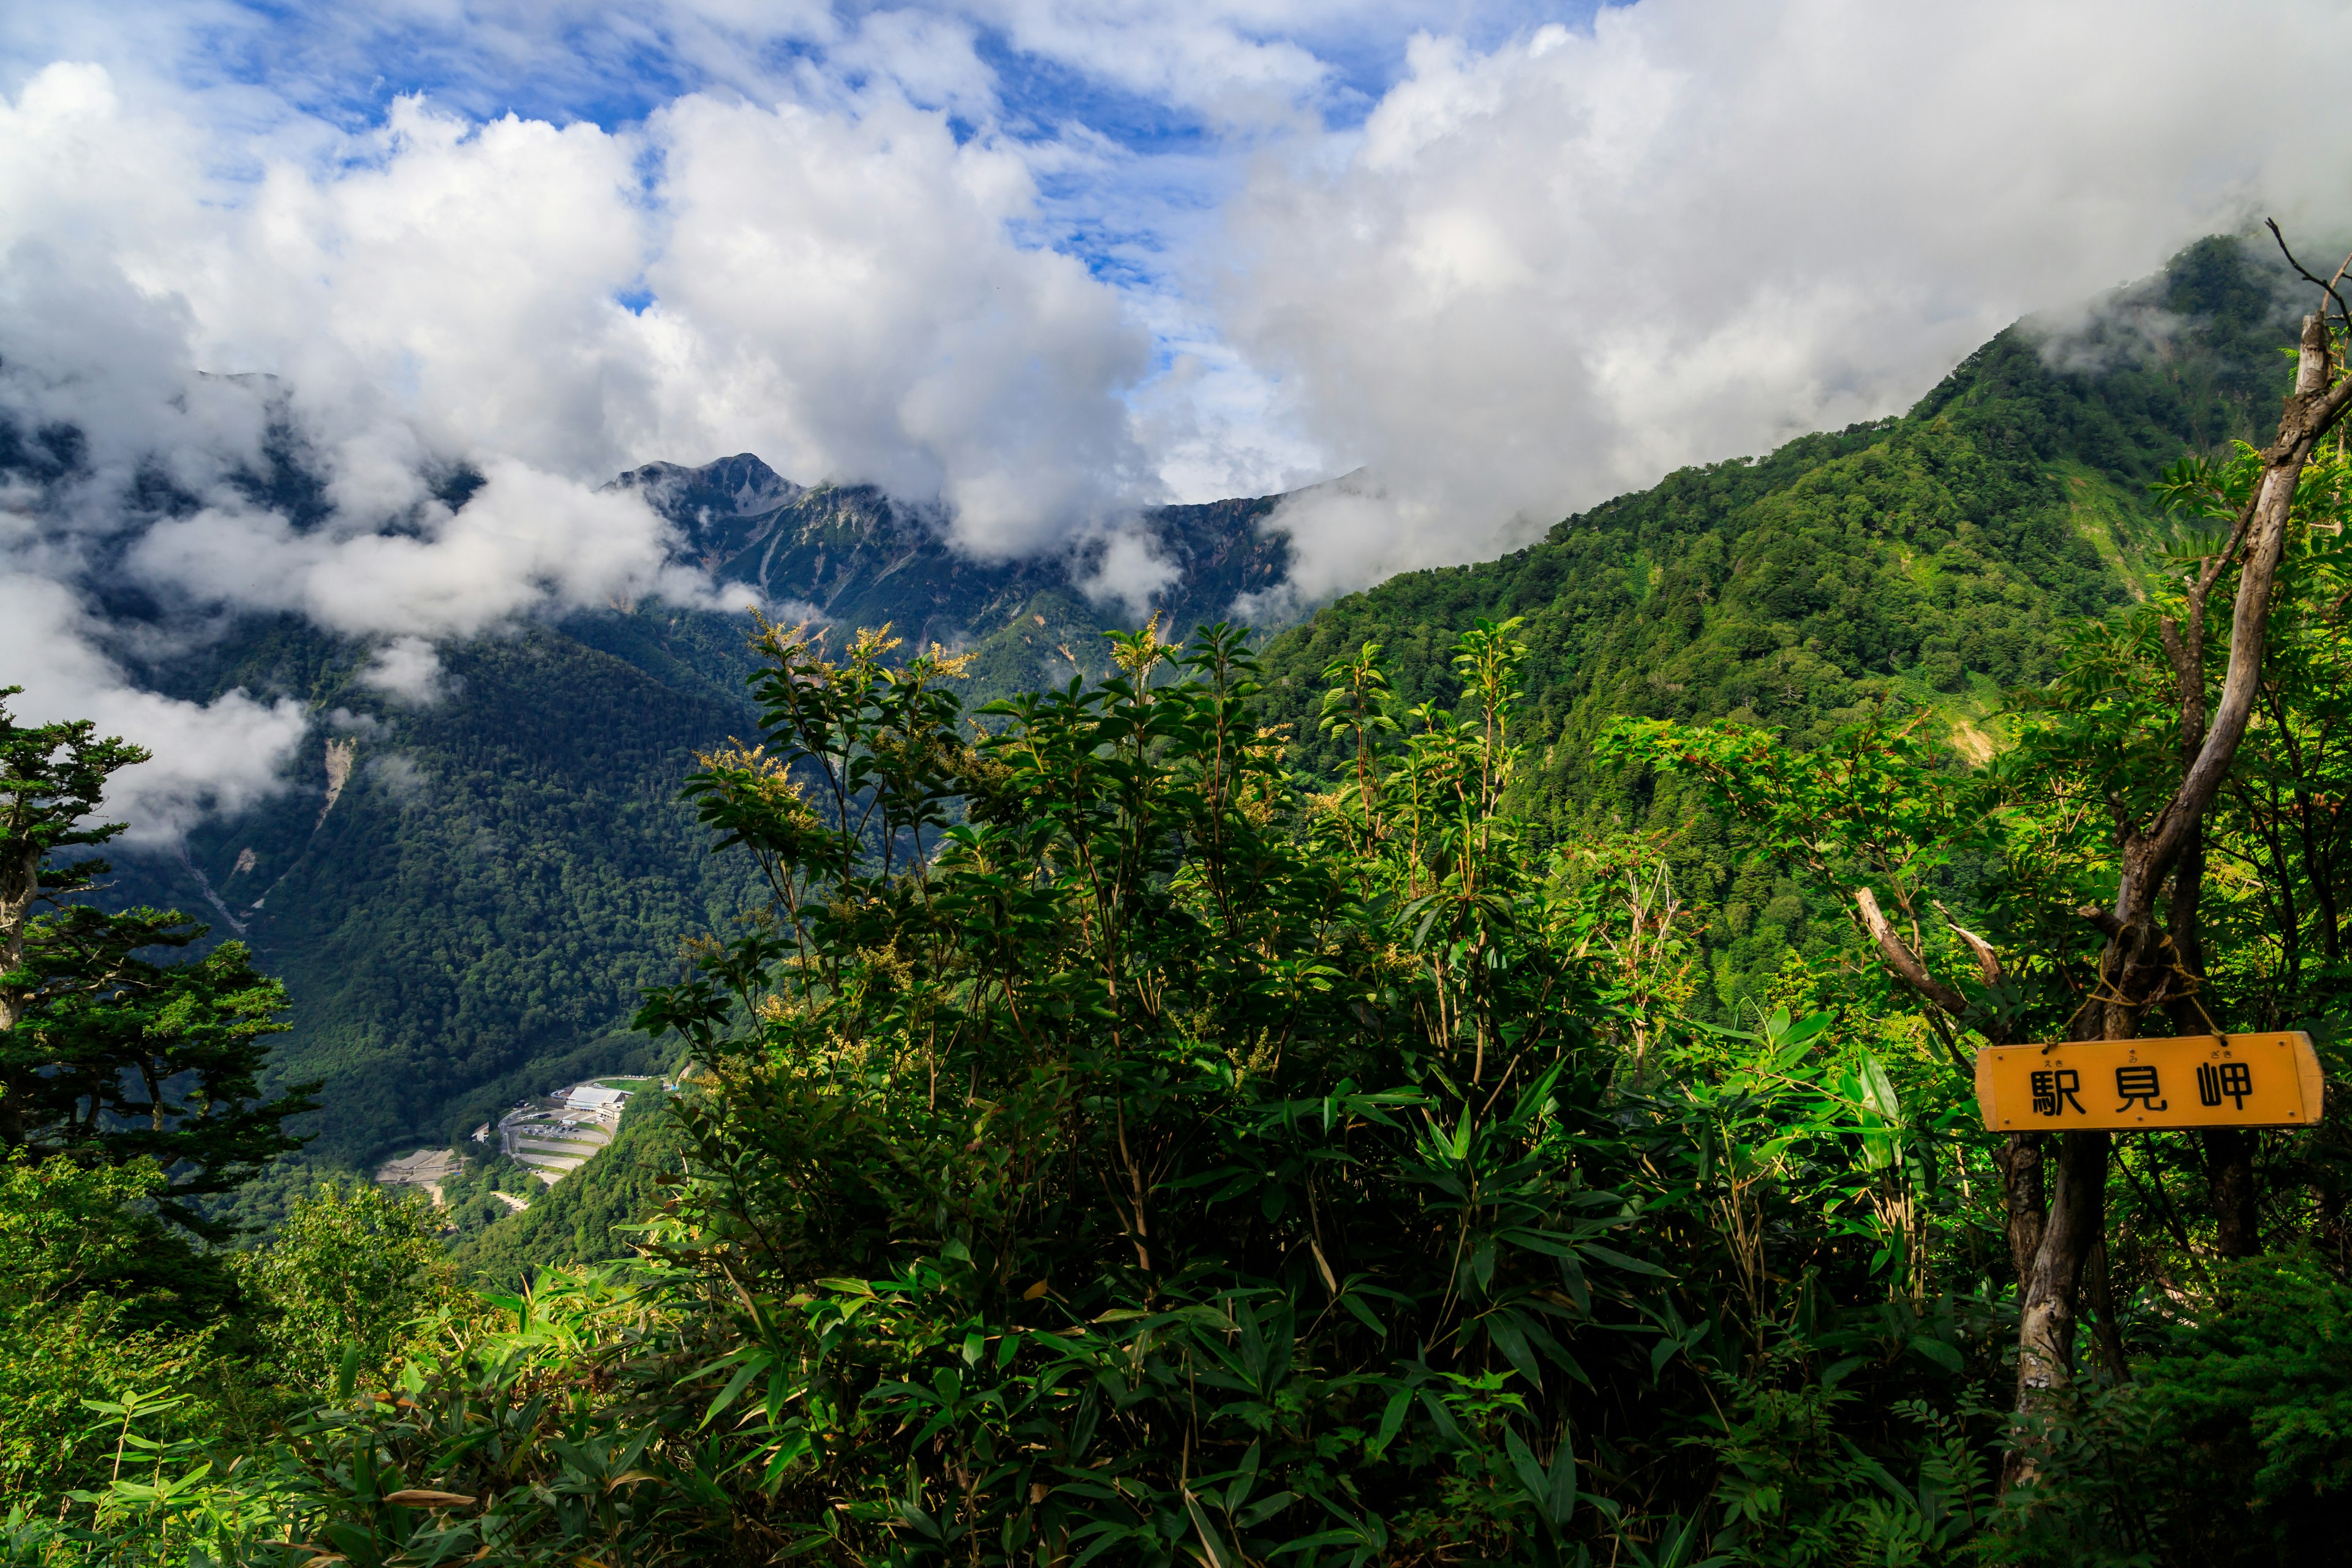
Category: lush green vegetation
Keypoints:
(1925, 562)
(105, 1054)
(1108, 1141)
(506, 868)
(502, 874)
(1459, 1100)
(498, 880)
(585, 1218)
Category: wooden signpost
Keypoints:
(2150, 1086)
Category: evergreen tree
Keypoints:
(105, 1054)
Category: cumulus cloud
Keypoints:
(834, 284)
(1546, 273)
(222, 755)
(860, 309)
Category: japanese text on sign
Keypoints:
(2199, 1080)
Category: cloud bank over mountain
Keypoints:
(1039, 262)
(1547, 274)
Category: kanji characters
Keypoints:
(2054, 1088)
(2138, 1083)
(2219, 1080)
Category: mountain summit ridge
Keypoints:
(857, 555)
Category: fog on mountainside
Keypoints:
(1934, 561)
(852, 556)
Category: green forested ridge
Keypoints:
(506, 869)
(1933, 560)
(1185, 1160)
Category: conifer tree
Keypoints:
(106, 1053)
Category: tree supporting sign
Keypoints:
(2150, 1086)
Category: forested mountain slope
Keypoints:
(501, 871)
(1928, 560)
(466, 897)
(497, 876)
(579, 1219)
(1298, 1170)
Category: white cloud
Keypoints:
(1129, 572)
(222, 755)
(837, 285)
(842, 296)
(407, 669)
(526, 540)
(1548, 273)
(1233, 62)
(839, 288)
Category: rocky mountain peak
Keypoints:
(856, 556)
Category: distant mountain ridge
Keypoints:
(466, 897)
(859, 558)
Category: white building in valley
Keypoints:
(596, 1099)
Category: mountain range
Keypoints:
(465, 899)
(854, 556)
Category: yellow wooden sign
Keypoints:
(2148, 1086)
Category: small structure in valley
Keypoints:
(556, 1134)
(596, 1097)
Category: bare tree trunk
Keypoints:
(2138, 966)
(2025, 1201)
(20, 885)
(2141, 964)
(2054, 1283)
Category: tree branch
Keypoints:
(2309, 277)
(1988, 961)
(2311, 411)
(2102, 917)
(1902, 960)
(2188, 676)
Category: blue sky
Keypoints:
(1042, 76)
(613, 64)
